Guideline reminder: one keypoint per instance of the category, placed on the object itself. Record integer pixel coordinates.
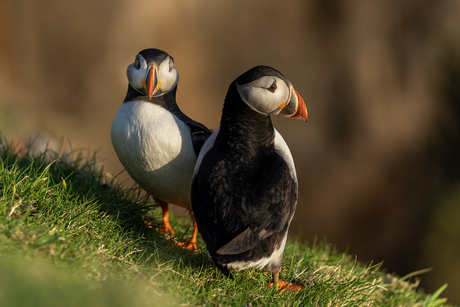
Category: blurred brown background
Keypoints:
(378, 160)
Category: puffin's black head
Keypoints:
(152, 73)
(267, 91)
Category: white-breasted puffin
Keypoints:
(244, 187)
(158, 144)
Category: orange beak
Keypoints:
(301, 112)
(295, 107)
(152, 81)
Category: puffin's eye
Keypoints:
(170, 65)
(272, 87)
(137, 63)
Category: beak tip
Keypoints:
(302, 113)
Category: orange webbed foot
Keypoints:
(284, 285)
(187, 245)
(191, 245)
(167, 229)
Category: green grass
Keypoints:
(71, 237)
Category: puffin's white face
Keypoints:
(152, 80)
(271, 95)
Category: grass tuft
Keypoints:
(70, 235)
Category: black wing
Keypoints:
(199, 136)
(199, 132)
(237, 205)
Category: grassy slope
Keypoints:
(67, 238)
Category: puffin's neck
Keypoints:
(170, 100)
(244, 129)
(132, 94)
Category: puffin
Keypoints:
(154, 140)
(244, 186)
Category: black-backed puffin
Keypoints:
(157, 143)
(244, 187)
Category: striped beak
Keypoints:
(295, 107)
(152, 80)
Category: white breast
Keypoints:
(156, 150)
(283, 150)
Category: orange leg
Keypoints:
(284, 285)
(191, 244)
(166, 226)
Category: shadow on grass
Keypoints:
(80, 171)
